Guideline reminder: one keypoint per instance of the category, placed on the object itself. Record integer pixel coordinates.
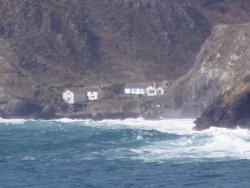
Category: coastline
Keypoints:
(82, 116)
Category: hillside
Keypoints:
(52, 44)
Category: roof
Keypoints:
(135, 86)
(159, 87)
(76, 90)
(94, 89)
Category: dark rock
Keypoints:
(231, 115)
(26, 108)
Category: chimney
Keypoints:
(154, 85)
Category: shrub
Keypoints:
(116, 88)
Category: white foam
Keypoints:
(177, 126)
(68, 120)
(28, 158)
(13, 121)
(215, 143)
(211, 144)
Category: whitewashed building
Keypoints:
(143, 89)
(160, 91)
(151, 91)
(74, 96)
(135, 89)
(94, 94)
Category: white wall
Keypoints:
(68, 97)
(92, 95)
(127, 91)
(137, 91)
(160, 91)
(151, 91)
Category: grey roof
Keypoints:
(159, 87)
(93, 89)
(135, 86)
(76, 90)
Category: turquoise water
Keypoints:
(129, 153)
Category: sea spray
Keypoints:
(66, 153)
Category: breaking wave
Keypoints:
(176, 140)
(13, 121)
(139, 139)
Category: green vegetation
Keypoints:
(117, 88)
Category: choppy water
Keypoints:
(129, 153)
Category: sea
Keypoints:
(128, 153)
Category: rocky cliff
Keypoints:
(222, 79)
(48, 45)
(217, 84)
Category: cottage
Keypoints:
(135, 89)
(151, 91)
(160, 91)
(94, 94)
(74, 96)
(143, 89)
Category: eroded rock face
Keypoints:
(8, 76)
(217, 84)
(222, 62)
(229, 114)
(224, 72)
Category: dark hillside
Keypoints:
(135, 39)
(58, 43)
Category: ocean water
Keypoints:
(113, 153)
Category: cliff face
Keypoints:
(229, 110)
(48, 45)
(222, 61)
(222, 80)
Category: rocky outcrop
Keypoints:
(230, 110)
(222, 80)
(217, 86)
(222, 62)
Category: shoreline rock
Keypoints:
(230, 110)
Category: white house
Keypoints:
(94, 94)
(160, 91)
(74, 96)
(135, 89)
(143, 89)
(151, 91)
